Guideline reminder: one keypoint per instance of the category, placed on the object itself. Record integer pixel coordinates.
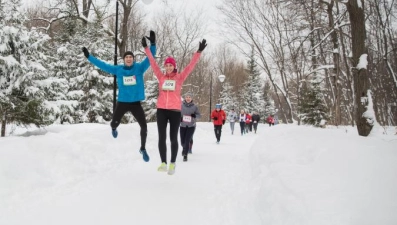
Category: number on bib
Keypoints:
(169, 85)
(130, 80)
(187, 119)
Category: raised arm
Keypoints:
(100, 64)
(153, 63)
(189, 68)
(144, 65)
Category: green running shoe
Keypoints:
(162, 167)
(171, 169)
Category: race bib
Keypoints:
(169, 85)
(254, 121)
(130, 80)
(187, 119)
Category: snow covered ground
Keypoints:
(287, 174)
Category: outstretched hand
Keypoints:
(86, 53)
(144, 44)
(152, 38)
(202, 45)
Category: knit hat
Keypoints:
(128, 53)
(188, 94)
(171, 61)
(218, 106)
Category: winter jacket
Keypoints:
(129, 78)
(219, 115)
(170, 84)
(270, 119)
(187, 110)
(248, 118)
(232, 116)
(256, 118)
(242, 117)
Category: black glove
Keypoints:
(152, 38)
(86, 53)
(202, 45)
(215, 118)
(223, 122)
(193, 115)
(144, 44)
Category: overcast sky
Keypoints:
(153, 9)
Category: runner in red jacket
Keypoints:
(219, 117)
(248, 120)
(270, 120)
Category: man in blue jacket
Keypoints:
(131, 87)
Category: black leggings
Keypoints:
(255, 126)
(163, 117)
(242, 127)
(137, 111)
(186, 134)
(218, 132)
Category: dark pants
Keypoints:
(174, 118)
(255, 126)
(218, 132)
(186, 134)
(137, 111)
(242, 127)
(191, 142)
(247, 128)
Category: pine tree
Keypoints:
(22, 70)
(313, 109)
(269, 108)
(150, 103)
(252, 95)
(82, 92)
(228, 98)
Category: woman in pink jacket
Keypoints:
(169, 102)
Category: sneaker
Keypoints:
(162, 167)
(144, 155)
(114, 133)
(185, 158)
(171, 169)
(217, 142)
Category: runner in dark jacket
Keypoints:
(189, 114)
(255, 120)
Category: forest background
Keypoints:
(318, 62)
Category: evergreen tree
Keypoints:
(269, 108)
(313, 109)
(228, 98)
(22, 70)
(86, 93)
(252, 95)
(150, 103)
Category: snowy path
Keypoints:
(284, 175)
(123, 189)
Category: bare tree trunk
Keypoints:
(360, 76)
(3, 125)
(348, 87)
